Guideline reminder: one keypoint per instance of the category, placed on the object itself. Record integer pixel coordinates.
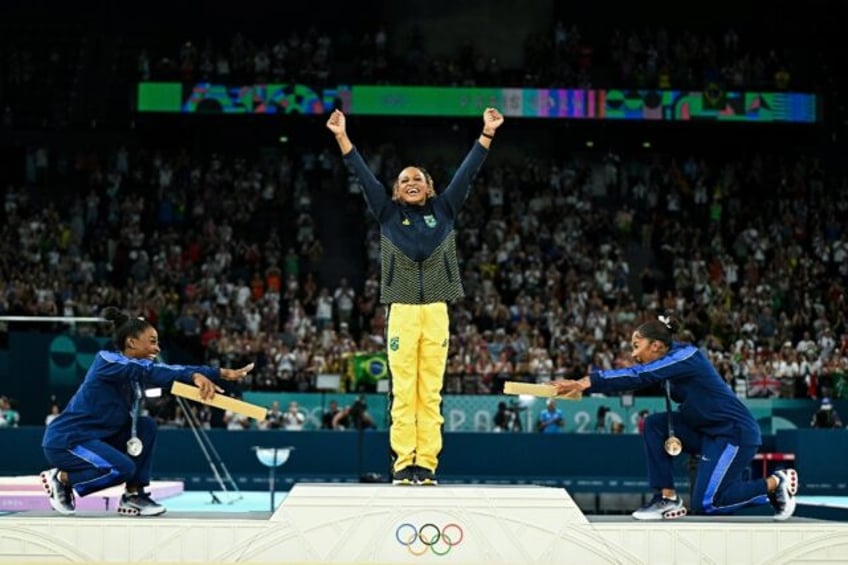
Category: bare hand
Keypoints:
(337, 123)
(568, 386)
(236, 374)
(492, 119)
(206, 386)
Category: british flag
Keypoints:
(763, 386)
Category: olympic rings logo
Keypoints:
(429, 537)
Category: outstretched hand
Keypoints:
(492, 119)
(337, 122)
(567, 386)
(236, 374)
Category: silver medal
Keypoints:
(134, 447)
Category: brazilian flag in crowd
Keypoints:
(368, 368)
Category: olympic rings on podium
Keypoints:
(438, 540)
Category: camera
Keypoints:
(357, 411)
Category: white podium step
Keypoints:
(383, 524)
(460, 524)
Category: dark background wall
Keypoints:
(580, 462)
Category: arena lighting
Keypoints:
(646, 144)
(284, 139)
(590, 143)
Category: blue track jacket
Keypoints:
(707, 403)
(101, 406)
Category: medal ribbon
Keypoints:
(136, 408)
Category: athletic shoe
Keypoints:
(661, 508)
(424, 476)
(139, 504)
(61, 495)
(783, 498)
(405, 476)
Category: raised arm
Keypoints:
(373, 190)
(458, 188)
(338, 125)
(492, 120)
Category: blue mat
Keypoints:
(203, 501)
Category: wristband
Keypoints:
(487, 136)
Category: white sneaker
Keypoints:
(61, 495)
(661, 508)
(783, 498)
(139, 504)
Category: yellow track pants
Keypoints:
(417, 340)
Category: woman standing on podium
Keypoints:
(101, 439)
(420, 275)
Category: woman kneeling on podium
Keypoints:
(711, 424)
(101, 439)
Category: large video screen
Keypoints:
(591, 104)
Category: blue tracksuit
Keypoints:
(710, 421)
(88, 439)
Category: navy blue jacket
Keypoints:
(419, 262)
(101, 406)
(707, 404)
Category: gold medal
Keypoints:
(673, 446)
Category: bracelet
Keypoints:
(487, 136)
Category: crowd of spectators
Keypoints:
(50, 76)
(562, 255)
(564, 56)
(560, 260)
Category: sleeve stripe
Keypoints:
(676, 357)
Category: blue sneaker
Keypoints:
(661, 508)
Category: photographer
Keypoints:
(506, 418)
(274, 419)
(826, 416)
(329, 416)
(601, 419)
(354, 417)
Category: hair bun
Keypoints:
(114, 315)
